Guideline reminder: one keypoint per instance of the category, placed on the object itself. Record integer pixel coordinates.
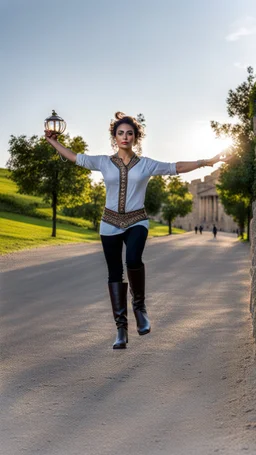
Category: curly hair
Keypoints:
(137, 125)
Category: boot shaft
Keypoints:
(118, 298)
(137, 289)
(137, 286)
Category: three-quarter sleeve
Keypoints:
(161, 168)
(94, 163)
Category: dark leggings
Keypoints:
(134, 239)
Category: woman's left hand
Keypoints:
(224, 156)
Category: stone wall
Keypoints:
(253, 269)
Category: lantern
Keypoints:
(55, 123)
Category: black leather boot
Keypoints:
(137, 288)
(118, 297)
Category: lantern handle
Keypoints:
(61, 157)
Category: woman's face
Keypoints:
(125, 136)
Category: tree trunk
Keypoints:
(248, 223)
(170, 227)
(241, 230)
(54, 213)
(54, 205)
(95, 224)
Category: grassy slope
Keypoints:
(20, 232)
(9, 187)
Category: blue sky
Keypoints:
(172, 61)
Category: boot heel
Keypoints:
(144, 332)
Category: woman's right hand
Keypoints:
(50, 136)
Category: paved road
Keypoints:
(188, 388)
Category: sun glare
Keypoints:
(222, 144)
(203, 140)
(201, 143)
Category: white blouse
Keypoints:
(136, 185)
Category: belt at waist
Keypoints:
(123, 220)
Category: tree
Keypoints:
(252, 115)
(141, 119)
(238, 178)
(254, 184)
(239, 106)
(236, 186)
(235, 206)
(155, 194)
(92, 210)
(178, 201)
(38, 170)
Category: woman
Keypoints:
(124, 219)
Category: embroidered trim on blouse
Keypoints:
(123, 170)
(124, 220)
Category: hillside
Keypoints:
(25, 221)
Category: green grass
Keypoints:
(8, 187)
(157, 229)
(20, 231)
(244, 239)
(11, 201)
(80, 222)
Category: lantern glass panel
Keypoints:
(62, 126)
(51, 125)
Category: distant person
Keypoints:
(125, 221)
(200, 229)
(214, 231)
(196, 229)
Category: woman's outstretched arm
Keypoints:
(187, 166)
